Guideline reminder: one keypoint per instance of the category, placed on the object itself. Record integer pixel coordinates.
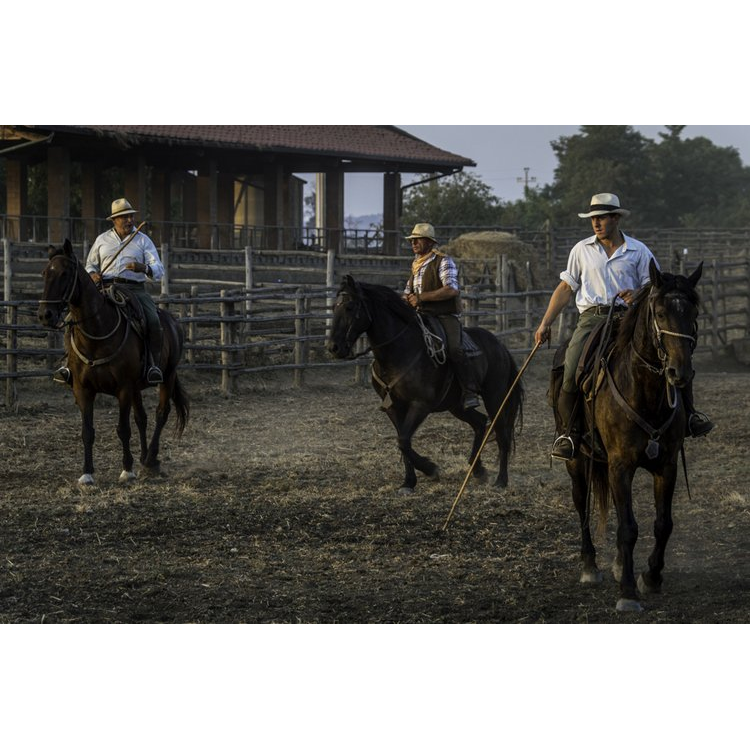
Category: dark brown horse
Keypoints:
(639, 419)
(105, 355)
(412, 385)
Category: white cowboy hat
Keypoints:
(423, 230)
(121, 207)
(605, 203)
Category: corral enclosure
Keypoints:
(280, 504)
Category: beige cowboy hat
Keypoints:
(604, 203)
(423, 230)
(121, 207)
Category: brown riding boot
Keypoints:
(698, 424)
(154, 374)
(467, 381)
(566, 444)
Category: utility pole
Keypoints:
(526, 180)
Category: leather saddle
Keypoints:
(433, 324)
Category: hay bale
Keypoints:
(477, 253)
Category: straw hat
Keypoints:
(121, 207)
(423, 230)
(604, 203)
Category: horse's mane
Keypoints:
(383, 296)
(670, 283)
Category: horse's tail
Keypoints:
(600, 494)
(181, 401)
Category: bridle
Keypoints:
(658, 340)
(360, 304)
(68, 296)
(65, 301)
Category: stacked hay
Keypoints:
(477, 254)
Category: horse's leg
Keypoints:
(85, 400)
(124, 398)
(650, 580)
(590, 572)
(141, 421)
(151, 464)
(621, 479)
(406, 421)
(478, 422)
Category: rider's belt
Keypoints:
(603, 309)
(120, 280)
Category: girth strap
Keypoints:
(652, 449)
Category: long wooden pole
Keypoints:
(487, 434)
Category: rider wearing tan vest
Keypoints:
(433, 288)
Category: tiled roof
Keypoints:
(376, 142)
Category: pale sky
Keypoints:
(502, 152)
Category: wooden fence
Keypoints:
(241, 332)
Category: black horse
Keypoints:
(105, 355)
(639, 417)
(412, 385)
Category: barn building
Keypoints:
(208, 185)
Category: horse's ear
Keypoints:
(67, 247)
(349, 282)
(654, 273)
(695, 275)
(51, 251)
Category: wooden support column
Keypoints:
(135, 186)
(90, 192)
(225, 208)
(334, 209)
(16, 198)
(190, 209)
(207, 216)
(391, 213)
(273, 205)
(58, 194)
(161, 206)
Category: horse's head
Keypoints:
(60, 284)
(673, 318)
(351, 318)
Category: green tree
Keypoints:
(601, 158)
(459, 200)
(698, 183)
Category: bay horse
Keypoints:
(639, 417)
(105, 355)
(412, 385)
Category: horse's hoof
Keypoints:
(406, 490)
(644, 587)
(86, 481)
(127, 476)
(435, 476)
(617, 571)
(591, 577)
(151, 471)
(629, 605)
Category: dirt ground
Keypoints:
(280, 505)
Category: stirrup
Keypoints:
(699, 424)
(471, 400)
(563, 448)
(62, 375)
(154, 375)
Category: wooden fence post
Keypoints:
(714, 310)
(301, 328)
(248, 282)
(165, 262)
(11, 394)
(227, 340)
(192, 328)
(330, 284)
